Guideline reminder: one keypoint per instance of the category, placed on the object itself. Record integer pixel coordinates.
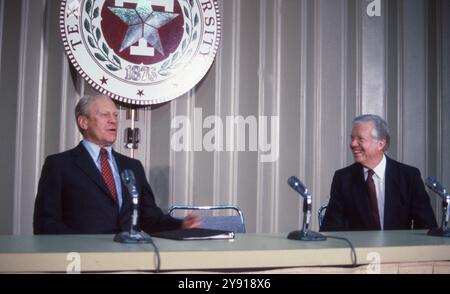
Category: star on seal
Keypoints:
(143, 22)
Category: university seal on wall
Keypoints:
(141, 51)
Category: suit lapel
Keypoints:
(84, 161)
(389, 194)
(361, 199)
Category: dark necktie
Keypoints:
(107, 173)
(373, 200)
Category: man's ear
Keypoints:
(381, 144)
(82, 122)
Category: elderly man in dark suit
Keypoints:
(80, 191)
(376, 192)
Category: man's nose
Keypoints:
(113, 119)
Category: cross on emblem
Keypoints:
(143, 24)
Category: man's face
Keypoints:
(100, 127)
(366, 150)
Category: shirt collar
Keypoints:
(94, 149)
(380, 169)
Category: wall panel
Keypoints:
(313, 65)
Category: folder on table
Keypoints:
(194, 234)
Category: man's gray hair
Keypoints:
(83, 106)
(380, 130)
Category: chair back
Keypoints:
(219, 217)
(321, 214)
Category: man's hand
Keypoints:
(191, 221)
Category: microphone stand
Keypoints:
(443, 231)
(134, 236)
(305, 234)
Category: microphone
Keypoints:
(437, 188)
(130, 182)
(305, 234)
(298, 186)
(134, 235)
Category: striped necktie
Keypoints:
(373, 200)
(107, 173)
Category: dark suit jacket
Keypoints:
(406, 200)
(73, 198)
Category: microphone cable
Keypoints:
(352, 248)
(158, 257)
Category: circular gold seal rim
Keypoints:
(144, 102)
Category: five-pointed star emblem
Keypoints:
(104, 80)
(143, 22)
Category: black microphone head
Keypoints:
(298, 186)
(128, 177)
(293, 181)
(431, 182)
(434, 185)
